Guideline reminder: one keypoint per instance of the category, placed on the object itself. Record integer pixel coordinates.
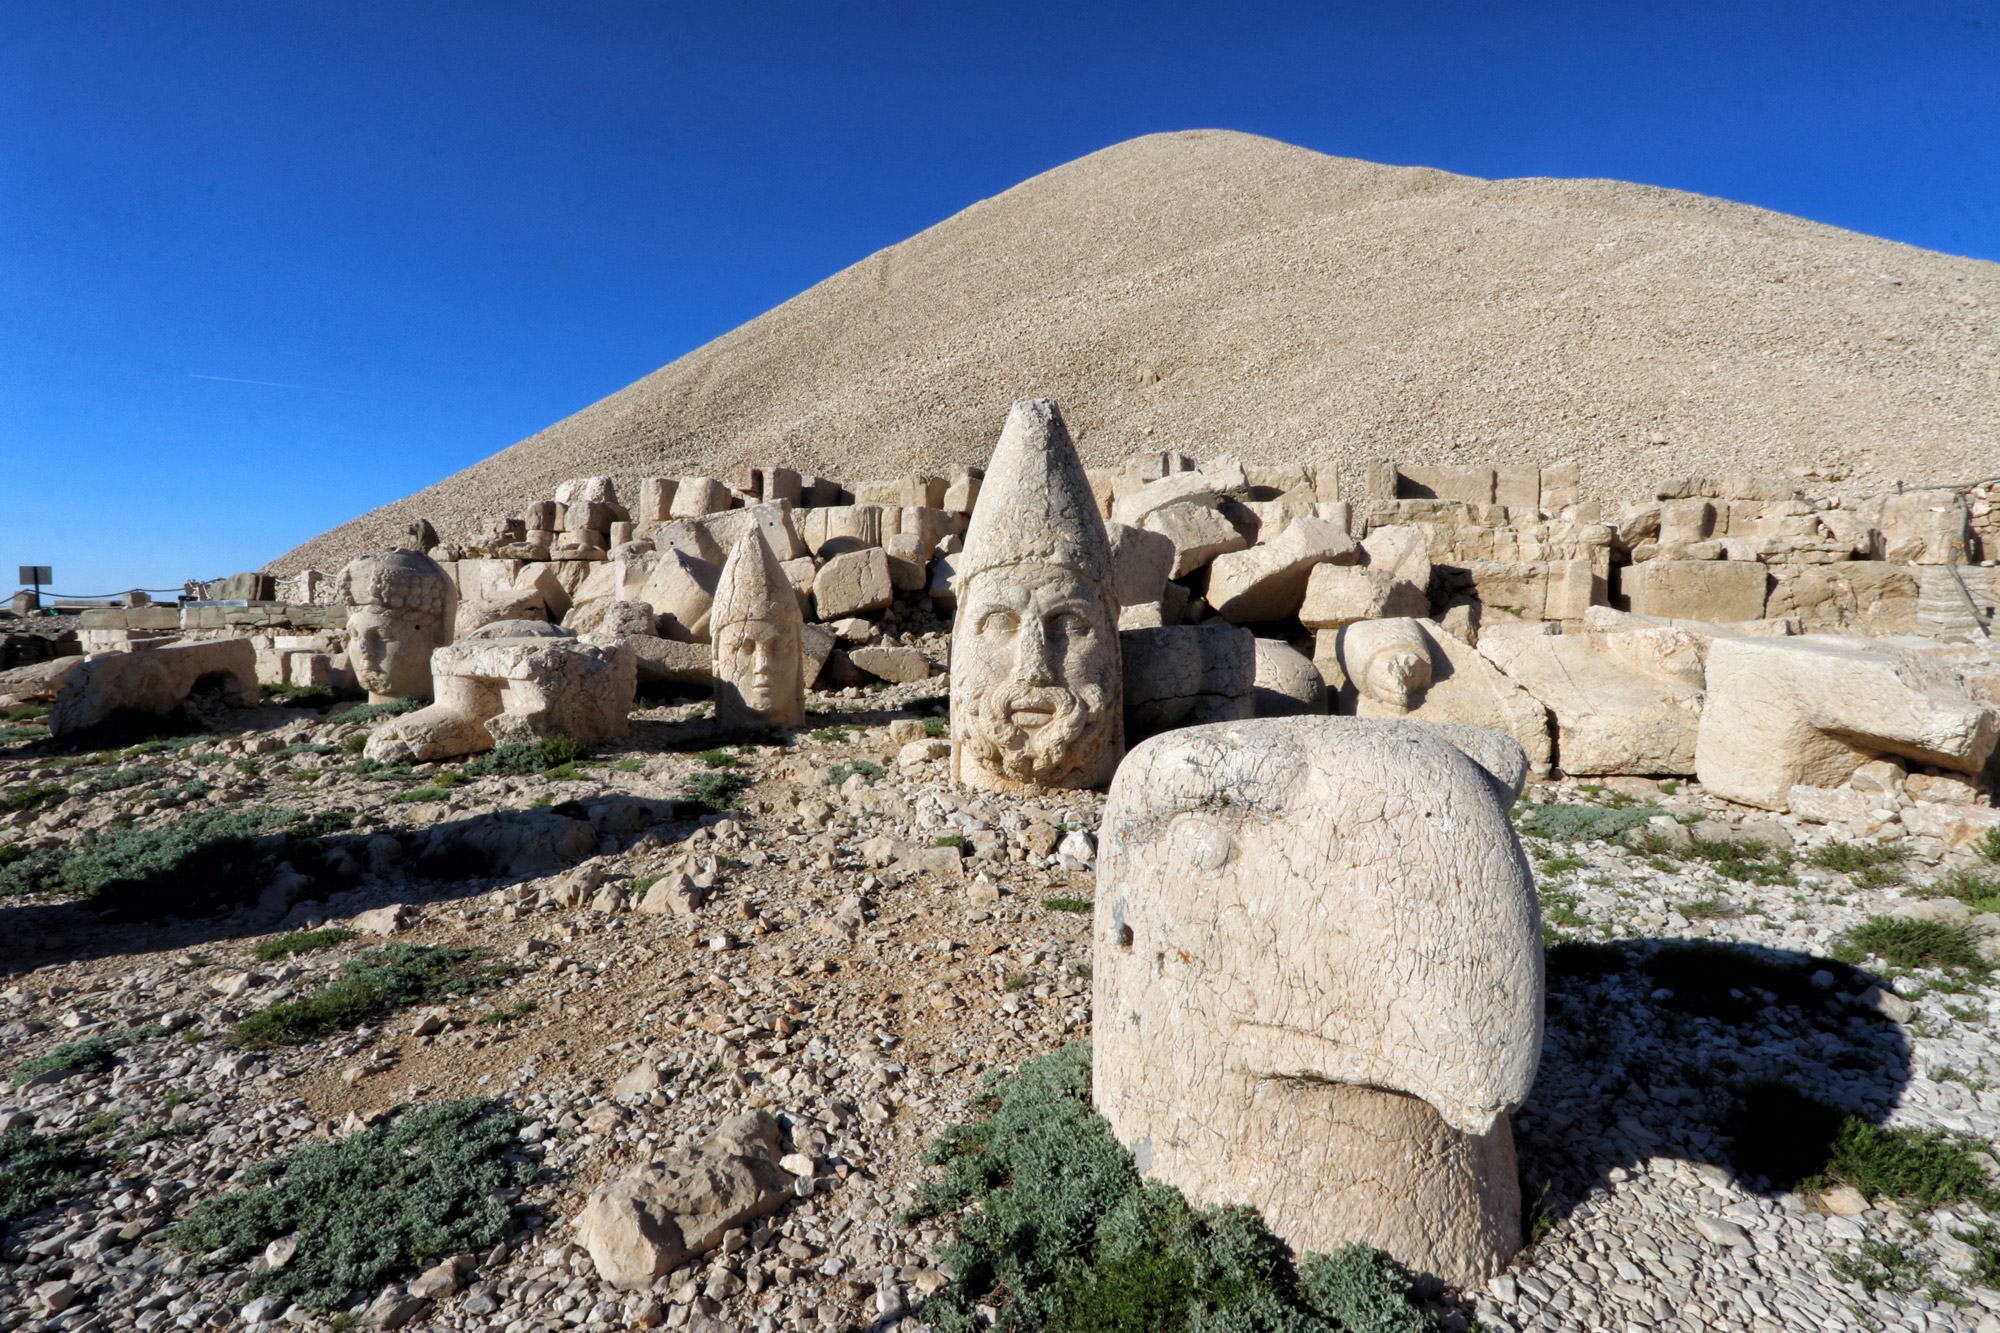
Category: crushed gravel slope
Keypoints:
(1212, 291)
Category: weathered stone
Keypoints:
(1035, 672)
(152, 683)
(1401, 551)
(681, 591)
(1176, 489)
(1140, 564)
(1318, 970)
(1411, 668)
(658, 661)
(514, 681)
(1623, 703)
(1532, 589)
(852, 583)
(1810, 710)
(697, 496)
(610, 618)
(897, 665)
(1956, 826)
(648, 1221)
(773, 518)
(1185, 675)
(759, 654)
(512, 842)
(1199, 534)
(38, 681)
(1287, 684)
(1717, 591)
(1269, 582)
(1339, 595)
(401, 606)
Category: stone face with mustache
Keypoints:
(1037, 698)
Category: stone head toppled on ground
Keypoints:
(758, 630)
(1318, 980)
(1036, 697)
(401, 606)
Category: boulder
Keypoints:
(1268, 582)
(1717, 591)
(609, 618)
(1199, 534)
(39, 682)
(695, 497)
(852, 583)
(513, 843)
(1339, 595)
(1318, 971)
(152, 683)
(1624, 702)
(681, 591)
(1287, 684)
(1400, 551)
(897, 665)
(1956, 826)
(1810, 710)
(1179, 488)
(649, 1220)
(658, 661)
(1184, 675)
(1141, 562)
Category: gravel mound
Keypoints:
(1210, 292)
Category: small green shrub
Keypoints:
(716, 792)
(1057, 1229)
(501, 1016)
(1745, 862)
(1933, 1169)
(1988, 846)
(948, 840)
(838, 775)
(392, 977)
(92, 1055)
(369, 712)
(127, 859)
(372, 1208)
(832, 735)
(36, 1171)
(1710, 909)
(1853, 857)
(27, 712)
(1081, 906)
(1017, 981)
(629, 765)
(298, 942)
(301, 696)
(1978, 891)
(563, 773)
(1561, 865)
(352, 745)
(717, 758)
(1904, 943)
(935, 728)
(555, 751)
(31, 795)
(1581, 823)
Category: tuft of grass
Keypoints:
(1745, 862)
(833, 735)
(156, 860)
(1081, 906)
(92, 1055)
(392, 977)
(1565, 822)
(27, 712)
(1851, 858)
(301, 696)
(1561, 865)
(1988, 846)
(353, 745)
(935, 728)
(1933, 1170)
(1978, 891)
(36, 1171)
(27, 797)
(519, 758)
(717, 758)
(375, 1207)
(1017, 981)
(1912, 944)
(298, 942)
(716, 792)
(629, 765)
(417, 794)
(948, 840)
(840, 773)
(1057, 1230)
(1710, 909)
(503, 1016)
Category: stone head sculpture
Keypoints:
(401, 607)
(757, 629)
(1036, 691)
(1318, 981)
(1388, 664)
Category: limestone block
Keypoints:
(1810, 710)
(1177, 488)
(1036, 697)
(1339, 595)
(1532, 589)
(660, 661)
(696, 496)
(921, 490)
(852, 583)
(1226, 476)
(514, 681)
(585, 492)
(1684, 521)
(928, 525)
(681, 591)
(1623, 703)
(1921, 527)
(690, 537)
(943, 589)
(38, 682)
(1869, 597)
(1400, 551)
(773, 518)
(499, 604)
(1518, 487)
(1269, 582)
(897, 665)
(907, 563)
(1185, 675)
(1561, 486)
(600, 579)
(781, 483)
(1956, 826)
(1717, 591)
(1287, 684)
(610, 618)
(816, 643)
(152, 683)
(1470, 485)
(649, 1220)
(1318, 975)
(548, 580)
(962, 494)
(1835, 805)
(1152, 466)
(1198, 534)
(656, 500)
(843, 529)
(1141, 563)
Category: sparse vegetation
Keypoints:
(120, 859)
(716, 792)
(1980, 892)
(1851, 858)
(1911, 944)
(36, 1171)
(298, 942)
(367, 1210)
(1565, 822)
(1081, 906)
(1057, 1230)
(870, 772)
(92, 1055)
(717, 758)
(391, 977)
(370, 712)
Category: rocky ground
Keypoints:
(870, 942)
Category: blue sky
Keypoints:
(266, 266)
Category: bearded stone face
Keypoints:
(1035, 675)
(758, 667)
(389, 650)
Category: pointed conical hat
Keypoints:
(1035, 506)
(754, 586)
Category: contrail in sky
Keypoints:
(271, 384)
